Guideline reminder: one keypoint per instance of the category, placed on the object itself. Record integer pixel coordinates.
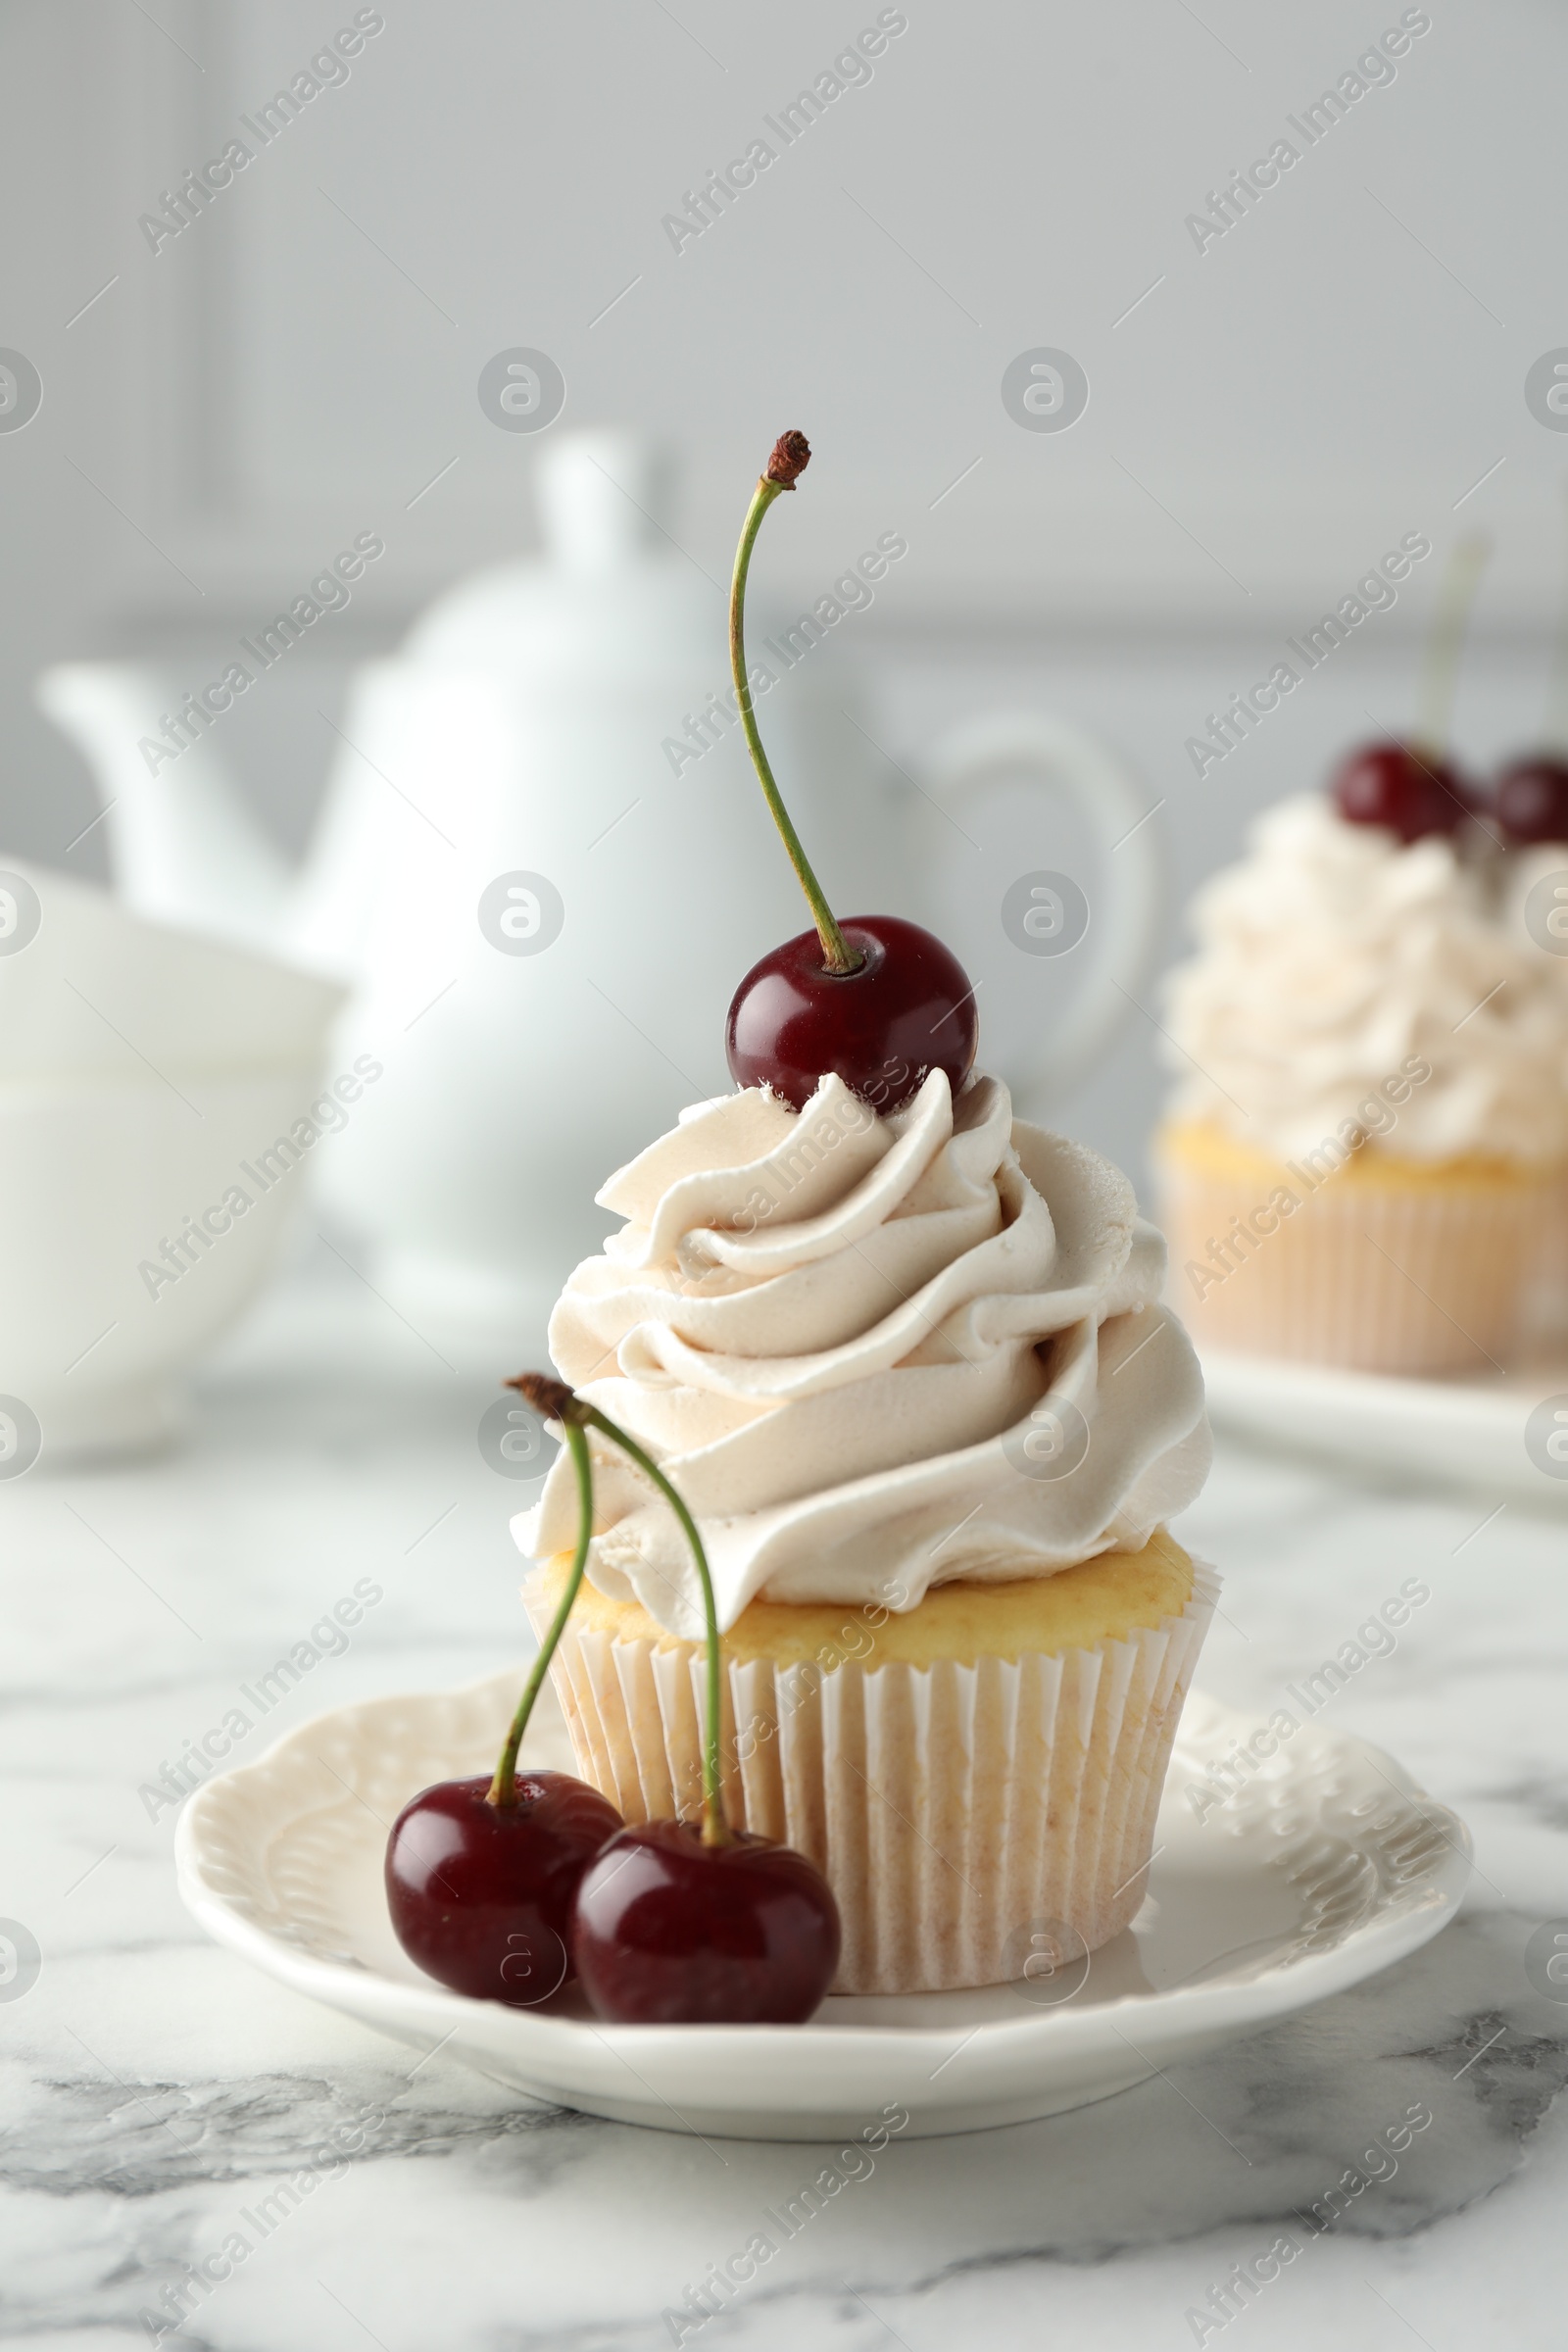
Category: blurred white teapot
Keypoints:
(544, 903)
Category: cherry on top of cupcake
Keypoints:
(1414, 788)
(877, 1000)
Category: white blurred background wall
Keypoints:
(1343, 366)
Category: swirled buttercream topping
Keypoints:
(874, 1354)
(1332, 959)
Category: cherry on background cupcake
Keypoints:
(1530, 799)
(1405, 787)
(1414, 789)
(1530, 796)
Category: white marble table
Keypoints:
(156, 2092)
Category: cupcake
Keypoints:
(912, 1374)
(1369, 1127)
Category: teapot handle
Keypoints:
(1125, 914)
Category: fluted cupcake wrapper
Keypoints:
(1545, 1318)
(977, 1824)
(1378, 1277)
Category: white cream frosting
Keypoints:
(1329, 958)
(852, 1342)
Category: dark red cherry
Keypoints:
(1402, 786)
(908, 1010)
(667, 1930)
(481, 1894)
(1531, 800)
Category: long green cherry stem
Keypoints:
(502, 1788)
(791, 456)
(1440, 669)
(558, 1402)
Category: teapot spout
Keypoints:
(183, 849)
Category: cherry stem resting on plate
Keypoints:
(557, 1402)
(503, 1788)
(791, 456)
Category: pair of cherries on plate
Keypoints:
(507, 1903)
(503, 1886)
(1415, 792)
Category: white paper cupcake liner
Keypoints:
(1546, 1315)
(974, 1822)
(1378, 1277)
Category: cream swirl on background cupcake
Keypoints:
(845, 1336)
(1329, 956)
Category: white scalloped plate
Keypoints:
(1469, 1433)
(1325, 1867)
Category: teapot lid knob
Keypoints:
(605, 497)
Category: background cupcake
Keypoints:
(913, 1376)
(1369, 1124)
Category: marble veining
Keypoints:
(162, 2102)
